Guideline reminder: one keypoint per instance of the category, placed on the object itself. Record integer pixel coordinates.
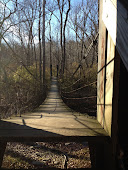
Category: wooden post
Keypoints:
(96, 155)
(57, 67)
(109, 159)
(2, 150)
(51, 70)
(101, 155)
(101, 69)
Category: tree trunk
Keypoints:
(64, 56)
(40, 54)
(43, 41)
(50, 48)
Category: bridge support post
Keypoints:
(96, 154)
(2, 150)
(51, 71)
(57, 68)
(101, 155)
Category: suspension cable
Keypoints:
(71, 84)
(89, 97)
(88, 50)
(80, 88)
(91, 45)
(76, 81)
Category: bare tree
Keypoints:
(50, 36)
(43, 41)
(40, 48)
(6, 14)
(65, 23)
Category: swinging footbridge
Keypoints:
(53, 119)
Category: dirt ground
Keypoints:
(36, 155)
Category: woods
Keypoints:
(40, 39)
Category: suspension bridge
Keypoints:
(52, 121)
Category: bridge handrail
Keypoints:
(86, 85)
(81, 98)
(71, 84)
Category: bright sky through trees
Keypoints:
(55, 18)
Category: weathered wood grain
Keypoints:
(101, 69)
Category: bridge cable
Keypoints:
(71, 84)
(80, 88)
(81, 98)
(88, 50)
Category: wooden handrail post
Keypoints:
(101, 155)
(2, 150)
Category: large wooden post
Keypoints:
(101, 155)
(101, 63)
(57, 67)
(2, 150)
(108, 64)
(108, 75)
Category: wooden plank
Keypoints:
(101, 63)
(122, 33)
(108, 118)
(109, 162)
(110, 50)
(109, 85)
(114, 128)
(105, 76)
(96, 155)
(125, 3)
(60, 125)
(2, 150)
(109, 17)
(100, 97)
(101, 155)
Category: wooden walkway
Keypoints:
(53, 119)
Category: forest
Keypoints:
(40, 39)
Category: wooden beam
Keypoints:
(114, 128)
(101, 155)
(2, 150)
(101, 63)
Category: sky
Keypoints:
(54, 23)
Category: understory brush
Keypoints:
(79, 92)
(22, 91)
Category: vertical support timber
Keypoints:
(101, 69)
(101, 155)
(51, 70)
(105, 79)
(2, 150)
(96, 155)
(57, 67)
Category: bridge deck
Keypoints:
(57, 121)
